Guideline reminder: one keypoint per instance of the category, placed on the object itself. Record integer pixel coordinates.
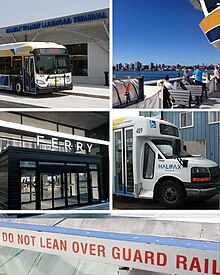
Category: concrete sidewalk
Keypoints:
(81, 96)
(213, 101)
(93, 91)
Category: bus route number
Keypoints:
(139, 131)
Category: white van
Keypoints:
(149, 163)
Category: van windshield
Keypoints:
(166, 148)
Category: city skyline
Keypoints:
(138, 66)
(160, 31)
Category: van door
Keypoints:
(149, 160)
(119, 161)
(129, 176)
(123, 167)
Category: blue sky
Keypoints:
(19, 12)
(160, 31)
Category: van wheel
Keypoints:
(171, 194)
(18, 87)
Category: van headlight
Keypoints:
(200, 174)
(40, 81)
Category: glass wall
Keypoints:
(59, 185)
(79, 59)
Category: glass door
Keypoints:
(59, 190)
(32, 74)
(46, 191)
(28, 191)
(119, 161)
(129, 177)
(124, 178)
(83, 188)
(94, 182)
(26, 76)
(72, 188)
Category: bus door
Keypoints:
(124, 179)
(29, 74)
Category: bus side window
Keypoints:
(17, 64)
(26, 65)
(32, 67)
(149, 160)
(5, 65)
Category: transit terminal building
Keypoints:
(86, 36)
(52, 160)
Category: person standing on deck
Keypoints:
(167, 97)
(217, 78)
(187, 76)
(198, 76)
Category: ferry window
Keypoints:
(79, 59)
(149, 160)
(168, 130)
(65, 129)
(11, 117)
(214, 117)
(39, 123)
(212, 5)
(79, 132)
(5, 65)
(186, 120)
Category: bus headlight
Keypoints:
(200, 174)
(40, 81)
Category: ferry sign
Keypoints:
(68, 145)
(150, 253)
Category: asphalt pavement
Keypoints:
(129, 203)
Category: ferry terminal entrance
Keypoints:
(50, 170)
(49, 185)
(41, 180)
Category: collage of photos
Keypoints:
(110, 137)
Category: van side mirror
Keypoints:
(176, 147)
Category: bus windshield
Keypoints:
(52, 64)
(165, 146)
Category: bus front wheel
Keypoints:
(171, 194)
(18, 87)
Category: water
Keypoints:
(149, 75)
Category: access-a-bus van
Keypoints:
(149, 163)
(34, 67)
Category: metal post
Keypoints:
(141, 87)
(106, 78)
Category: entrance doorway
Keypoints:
(28, 189)
(59, 185)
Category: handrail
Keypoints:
(149, 82)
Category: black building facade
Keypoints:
(42, 169)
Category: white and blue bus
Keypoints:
(34, 67)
